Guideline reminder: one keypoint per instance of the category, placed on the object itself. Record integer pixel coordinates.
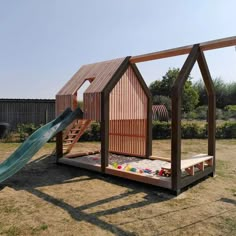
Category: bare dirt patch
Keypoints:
(49, 199)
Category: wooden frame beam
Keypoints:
(210, 45)
(211, 105)
(59, 145)
(195, 54)
(176, 117)
(104, 131)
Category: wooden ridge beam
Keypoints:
(209, 45)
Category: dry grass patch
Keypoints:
(49, 199)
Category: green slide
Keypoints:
(33, 143)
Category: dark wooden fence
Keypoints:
(25, 111)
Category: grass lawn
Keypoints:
(48, 199)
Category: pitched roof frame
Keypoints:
(105, 111)
(99, 73)
(196, 54)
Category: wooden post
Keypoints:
(104, 131)
(176, 141)
(211, 106)
(46, 116)
(59, 145)
(149, 129)
(176, 118)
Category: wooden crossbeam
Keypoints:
(209, 45)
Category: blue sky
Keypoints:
(43, 43)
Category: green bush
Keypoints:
(201, 112)
(92, 134)
(219, 114)
(192, 130)
(161, 130)
(25, 130)
(95, 131)
(190, 115)
(230, 108)
(230, 112)
(226, 130)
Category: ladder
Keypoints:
(73, 134)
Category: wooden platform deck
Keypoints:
(92, 162)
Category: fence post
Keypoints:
(46, 116)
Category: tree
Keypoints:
(232, 94)
(163, 88)
(202, 93)
(225, 93)
(155, 87)
(162, 100)
(190, 97)
(221, 90)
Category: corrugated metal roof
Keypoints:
(102, 73)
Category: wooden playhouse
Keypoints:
(120, 101)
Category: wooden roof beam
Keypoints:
(214, 44)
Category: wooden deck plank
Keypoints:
(74, 162)
(160, 158)
(190, 162)
(157, 181)
(81, 154)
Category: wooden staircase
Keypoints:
(73, 134)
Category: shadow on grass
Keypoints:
(228, 200)
(45, 172)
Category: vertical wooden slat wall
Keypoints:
(63, 102)
(128, 116)
(92, 106)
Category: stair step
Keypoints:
(67, 144)
(72, 134)
(75, 129)
(69, 139)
